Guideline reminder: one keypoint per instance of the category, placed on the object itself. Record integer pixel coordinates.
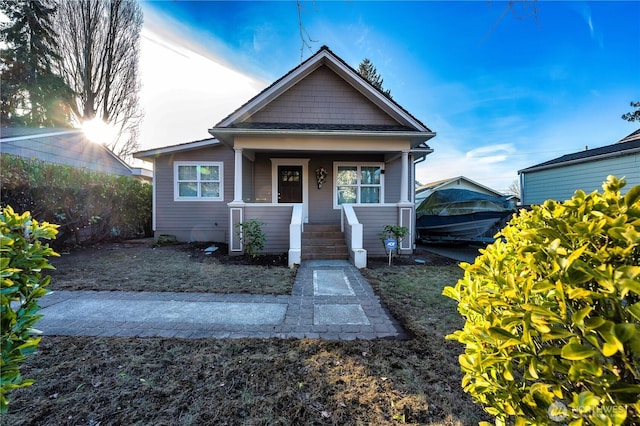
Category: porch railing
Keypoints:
(352, 229)
(295, 236)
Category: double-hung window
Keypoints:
(198, 181)
(358, 183)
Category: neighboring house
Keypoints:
(320, 146)
(66, 147)
(460, 182)
(558, 179)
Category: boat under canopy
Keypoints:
(461, 215)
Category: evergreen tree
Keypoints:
(368, 71)
(32, 94)
(633, 115)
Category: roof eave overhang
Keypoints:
(152, 153)
(227, 135)
(581, 160)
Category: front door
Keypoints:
(289, 184)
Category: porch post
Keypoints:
(404, 178)
(237, 176)
(236, 207)
(405, 206)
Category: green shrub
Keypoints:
(252, 237)
(395, 232)
(552, 313)
(88, 206)
(21, 264)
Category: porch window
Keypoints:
(198, 181)
(358, 183)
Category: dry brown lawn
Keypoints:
(134, 381)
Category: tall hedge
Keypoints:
(552, 311)
(87, 206)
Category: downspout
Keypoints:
(413, 196)
(522, 189)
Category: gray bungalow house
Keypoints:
(318, 151)
(559, 178)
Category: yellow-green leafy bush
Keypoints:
(552, 312)
(23, 257)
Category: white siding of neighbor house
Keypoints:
(193, 220)
(560, 183)
(322, 98)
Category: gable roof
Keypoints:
(625, 146)
(632, 137)
(61, 146)
(404, 124)
(434, 186)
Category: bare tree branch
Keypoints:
(530, 8)
(99, 42)
(305, 38)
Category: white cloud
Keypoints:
(184, 91)
(486, 151)
(494, 166)
(585, 12)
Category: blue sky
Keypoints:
(501, 94)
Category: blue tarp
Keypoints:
(451, 202)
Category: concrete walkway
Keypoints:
(330, 300)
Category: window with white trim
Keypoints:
(198, 181)
(358, 183)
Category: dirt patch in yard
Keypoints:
(142, 266)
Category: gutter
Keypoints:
(303, 132)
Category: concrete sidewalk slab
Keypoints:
(330, 300)
(331, 283)
(339, 314)
(167, 311)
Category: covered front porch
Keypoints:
(360, 192)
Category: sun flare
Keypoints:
(98, 131)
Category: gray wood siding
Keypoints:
(561, 183)
(321, 209)
(321, 200)
(262, 179)
(322, 98)
(247, 180)
(373, 220)
(392, 178)
(276, 221)
(193, 220)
